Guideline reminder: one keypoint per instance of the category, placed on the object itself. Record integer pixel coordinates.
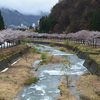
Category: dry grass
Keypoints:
(65, 95)
(50, 59)
(11, 82)
(30, 80)
(66, 50)
(82, 47)
(88, 85)
(56, 59)
(8, 52)
(96, 58)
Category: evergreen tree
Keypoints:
(95, 22)
(1, 22)
(47, 24)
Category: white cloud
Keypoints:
(29, 6)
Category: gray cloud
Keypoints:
(29, 6)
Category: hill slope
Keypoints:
(75, 15)
(13, 17)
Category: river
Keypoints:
(50, 76)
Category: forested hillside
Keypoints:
(1, 22)
(75, 15)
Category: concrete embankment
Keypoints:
(8, 60)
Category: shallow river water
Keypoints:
(50, 76)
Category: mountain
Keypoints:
(73, 15)
(13, 17)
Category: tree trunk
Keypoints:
(95, 42)
(1, 46)
(7, 44)
(4, 44)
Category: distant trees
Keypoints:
(95, 22)
(1, 22)
(83, 36)
(47, 24)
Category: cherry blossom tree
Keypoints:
(11, 36)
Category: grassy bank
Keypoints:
(81, 47)
(19, 75)
(50, 59)
(96, 58)
(9, 52)
(87, 86)
(12, 81)
(63, 49)
(64, 91)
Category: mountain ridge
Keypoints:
(72, 16)
(13, 17)
(79, 14)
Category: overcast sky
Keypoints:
(29, 6)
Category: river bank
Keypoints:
(9, 55)
(90, 54)
(64, 91)
(84, 52)
(50, 76)
(12, 81)
(87, 85)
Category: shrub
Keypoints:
(83, 97)
(30, 80)
(62, 49)
(34, 50)
(89, 62)
(43, 62)
(43, 56)
(66, 43)
(26, 41)
(74, 47)
(46, 60)
(52, 56)
(47, 51)
(52, 44)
